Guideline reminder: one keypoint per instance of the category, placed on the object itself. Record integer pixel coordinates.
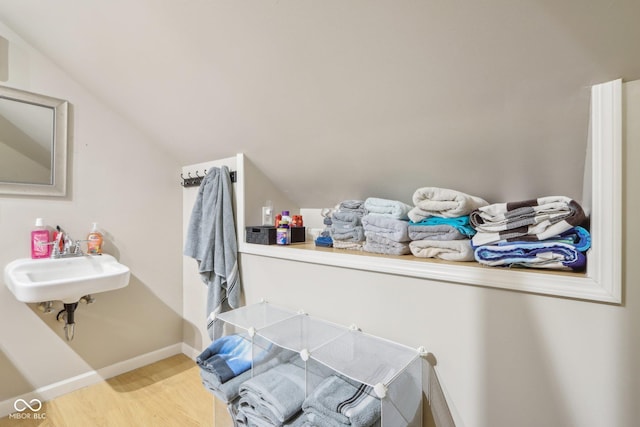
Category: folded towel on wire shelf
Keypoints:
(390, 228)
(442, 202)
(340, 403)
(437, 228)
(527, 220)
(449, 250)
(389, 208)
(229, 390)
(548, 254)
(266, 356)
(275, 396)
(226, 357)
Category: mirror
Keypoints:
(33, 143)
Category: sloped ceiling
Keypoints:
(338, 99)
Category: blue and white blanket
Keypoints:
(527, 220)
(546, 254)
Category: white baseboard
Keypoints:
(68, 385)
(189, 351)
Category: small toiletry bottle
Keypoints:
(282, 232)
(40, 247)
(94, 241)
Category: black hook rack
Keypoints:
(194, 181)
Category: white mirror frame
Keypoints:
(602, 281)
(59, 164)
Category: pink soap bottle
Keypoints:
(40, 247)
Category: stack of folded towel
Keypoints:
(275, 397)
(337, 402)
(386, 208)
(385, 227)
(226, 363)
(539, 233)
(346, 225)
(439, 226)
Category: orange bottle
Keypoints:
(94, 241)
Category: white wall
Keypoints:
(119, 178)
(505, 358)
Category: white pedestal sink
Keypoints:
(64, 279)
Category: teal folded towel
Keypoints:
(437, 228)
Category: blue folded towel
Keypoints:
(324, 241)
(226, 357)
(543, 254)
(437, 228)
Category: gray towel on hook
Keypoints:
(211, 241)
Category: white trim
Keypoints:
(189, 351)
(68, 385)
(602, 281)
(240, 197)
(605, 258)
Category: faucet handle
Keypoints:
(76, 247)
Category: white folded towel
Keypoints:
(450, 250)
(442, 202)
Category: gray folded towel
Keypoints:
(381, 245)
(352, 234)
(356, 206)
(391, 228)
(338, 400)
(276, 395)
(435, 232)
(229, 390)
(346, 218)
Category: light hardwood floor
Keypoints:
(167, 393)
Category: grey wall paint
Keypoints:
(336, 100)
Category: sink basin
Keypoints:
(64, 279)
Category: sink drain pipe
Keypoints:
(69, 319)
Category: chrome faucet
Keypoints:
(70, 247)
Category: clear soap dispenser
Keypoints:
(94, 240)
